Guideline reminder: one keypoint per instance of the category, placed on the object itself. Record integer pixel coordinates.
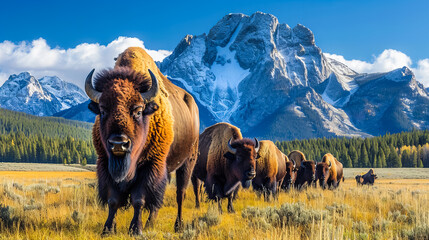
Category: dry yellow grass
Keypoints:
(63, 205)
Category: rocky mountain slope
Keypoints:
(42, 97)
(273, 81)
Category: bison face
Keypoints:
(124, 117)
(290, 175)
(309, 171)
(242, 159)
(359, 179)
(322, 174)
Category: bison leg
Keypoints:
(183, 174)
(136, 226)
(230, 208)
(151, 219)
(273, 189)
(196, 183)
(110, 225)
(219, 204)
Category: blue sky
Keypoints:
(359, 30)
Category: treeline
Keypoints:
(11, 121)
(406, 149)
(16, 147)
(27, 138)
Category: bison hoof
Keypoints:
(231, 210)
(135, 229)
(109, 230)
(136, 232)
(178, 226)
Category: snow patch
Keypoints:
(228, 75)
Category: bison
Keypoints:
(270, 169)
(146, 127)
(305, 175)
(296, 157)
(359, 179)
(367, 178)
(290, 174)
(329, 172)
(225, 160)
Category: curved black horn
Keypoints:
(256, 145)
(294, 163)
(330, 164)
(231, 149)
(93, 94)
(153, 91)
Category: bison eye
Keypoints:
(102, 113)
(138, 112)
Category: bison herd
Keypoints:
(146, 128)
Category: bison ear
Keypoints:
(229, 156)
(151, 107)
(93, 106)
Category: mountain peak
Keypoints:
(43, 97)
(304, 34)
(400, 75)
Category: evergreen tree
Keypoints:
(353, 156)
(394, 160)
(364, 160)
(381, 159)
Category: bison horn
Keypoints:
(256, 145)
(330, 164)
(153, 91)
(93, 94)
(231, 149)
(294, 163)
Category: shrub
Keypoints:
(287, 214)
(417, 233)
(77, 217)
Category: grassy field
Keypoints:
(45, 167)
(63, 205)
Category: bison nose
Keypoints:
(119, 144)
(251, 174)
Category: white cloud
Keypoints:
(388, 60)
(71, 64)
(422, 71)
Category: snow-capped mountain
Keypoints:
(273, 81)
(42, 97)
(389, 102)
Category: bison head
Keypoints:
(359, 179)
(290, 174)
(124, 102)
(242, 159)
(309, 170)
(322, 173)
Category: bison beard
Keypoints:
(119, 166)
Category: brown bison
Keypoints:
(359, 179)
(270, 169)
(145, 128)
(290, 174)
(305, 175)
(367, 178)
(329, 172)
(295, 157)
(225, 160)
